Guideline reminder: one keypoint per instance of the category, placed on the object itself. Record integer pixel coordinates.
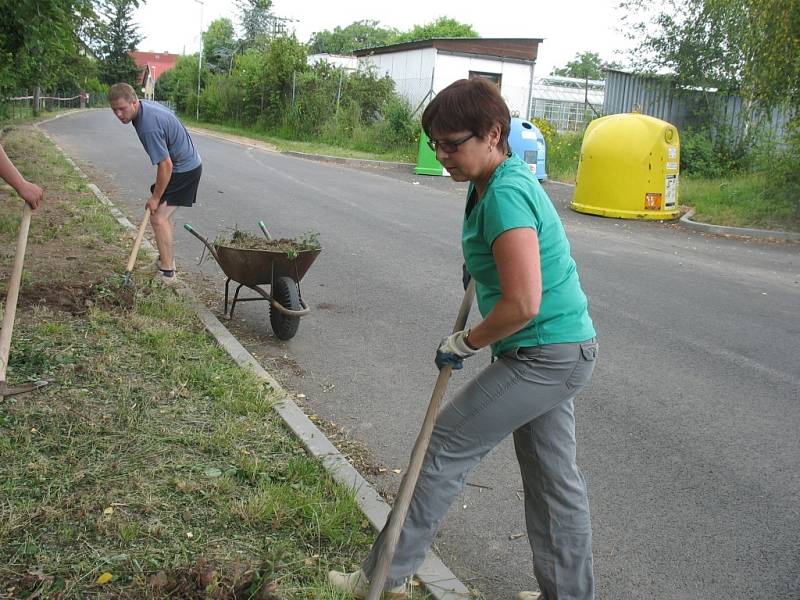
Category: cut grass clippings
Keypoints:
(152, 465)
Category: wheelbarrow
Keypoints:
(255, 268)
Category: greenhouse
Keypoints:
(567, 103)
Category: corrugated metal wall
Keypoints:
(657, 97)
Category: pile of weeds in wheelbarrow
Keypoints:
(291, 247)
(151, 466)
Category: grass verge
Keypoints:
(295, 146)
(738, 201)
(151, 466)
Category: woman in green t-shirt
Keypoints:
(536, 322)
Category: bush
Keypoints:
(783, 182)
(563, 154)
(398, 128)
(711, 154)
(547, 128)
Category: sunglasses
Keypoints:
(448, 147)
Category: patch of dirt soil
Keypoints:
(62, 269)
(204, 581)
(77, 299)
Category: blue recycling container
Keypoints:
(527, 142)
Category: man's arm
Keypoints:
(30, 192)
(163, 175)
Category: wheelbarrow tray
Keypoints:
(257, 267)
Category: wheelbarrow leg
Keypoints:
(227, 283)
(235, 297)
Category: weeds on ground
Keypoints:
(151, 466)
(563, 155)
(738, 201)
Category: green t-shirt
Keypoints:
(514, 198)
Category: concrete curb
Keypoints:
(437, 579)
(741, 231)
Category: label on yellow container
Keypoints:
(652, 201)
(671, 191)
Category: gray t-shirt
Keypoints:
(162, 135)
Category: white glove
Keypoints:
(453, 350)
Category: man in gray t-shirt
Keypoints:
(179, 167)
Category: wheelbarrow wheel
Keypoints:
(286, 291)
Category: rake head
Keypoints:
(6, 390)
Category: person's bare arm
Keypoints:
(516, 253)
(29, 192)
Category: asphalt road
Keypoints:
(689, 434)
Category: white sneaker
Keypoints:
(357, 585)
(157, 264)
(167, 278)
(528, 596)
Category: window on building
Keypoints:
(495, 78)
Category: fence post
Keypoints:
(339, 91)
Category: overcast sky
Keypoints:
(567, 26)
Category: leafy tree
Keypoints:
(40, 41)
(443, 27)
(772, 69)
(179, 84)
(118, 36)
(219, 45)
(257, 21)
(749, 47)
(267, 77)
(585, 65)
(344, 40)
(699, 41)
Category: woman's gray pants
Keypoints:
(530, 393)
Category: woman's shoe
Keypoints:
(528, 596)
(357, 585)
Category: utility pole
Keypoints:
(199, 60)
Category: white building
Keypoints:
(421, 69)
(348, 63)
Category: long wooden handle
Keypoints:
(403, 499)
(138, 242)
(13, 291)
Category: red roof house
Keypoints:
(152, 65)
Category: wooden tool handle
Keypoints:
(138, 242)
(403, 498)
(13, 291)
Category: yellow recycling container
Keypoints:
(628, 168)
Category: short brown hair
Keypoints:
(121, 91)
(468, 105)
